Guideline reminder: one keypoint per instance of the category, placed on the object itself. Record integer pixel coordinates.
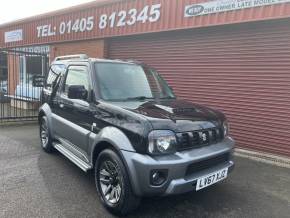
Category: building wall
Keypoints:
(242, 70)
(93, 48)
(58, 27)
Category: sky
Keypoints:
(11, 10)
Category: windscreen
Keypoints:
(118, 81)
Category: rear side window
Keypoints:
(54, 75)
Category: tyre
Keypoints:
(113, 185)
(45, 137)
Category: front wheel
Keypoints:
(113, 184)
(45, 137)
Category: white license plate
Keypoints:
(211, 179)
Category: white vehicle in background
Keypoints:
(3, 91)
(28, 92)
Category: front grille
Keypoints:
(205, 164)
(196, 139)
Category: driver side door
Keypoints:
(75, 117)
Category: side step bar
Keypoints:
(77, 161)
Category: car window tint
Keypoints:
(77, 76)
(121, 81)
(53, 75)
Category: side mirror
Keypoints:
(38, 81)
(77, 92)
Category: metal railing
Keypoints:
(19, 99)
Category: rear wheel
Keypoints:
(45, 137)
(113, 184)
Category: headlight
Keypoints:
(162, 142)
(226, 128)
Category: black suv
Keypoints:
(121, 119)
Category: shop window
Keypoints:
(30, 67)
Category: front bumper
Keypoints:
(178, 181)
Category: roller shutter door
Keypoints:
(243, 70)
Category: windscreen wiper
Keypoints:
(168, 97)
(139, 98)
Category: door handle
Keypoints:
(94, 127)
(61, 105)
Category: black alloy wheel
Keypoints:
(113, 184)
(110, 181)
(45, 137)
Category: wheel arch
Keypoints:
(101, 146)
(46, 111)
(105, 144)
(111, 137)
(40, 115)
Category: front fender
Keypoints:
(46, 111)
(113, 136)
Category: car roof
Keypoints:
(96, 60)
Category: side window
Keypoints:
(76, 75)
(53, 75)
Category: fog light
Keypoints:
(158, 177)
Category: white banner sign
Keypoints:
(14, 36)
(226, 5)
(43, 49)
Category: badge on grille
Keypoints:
(204, 137)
